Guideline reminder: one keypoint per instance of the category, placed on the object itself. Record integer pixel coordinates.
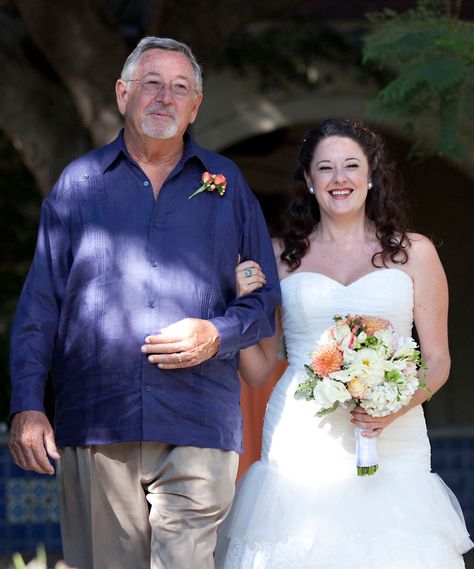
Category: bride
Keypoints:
(345, 250)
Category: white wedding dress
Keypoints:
(303, 505)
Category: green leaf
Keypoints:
(310, 372)
(392, 375)
(325, 412)
(18, 562)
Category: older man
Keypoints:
(130, 303)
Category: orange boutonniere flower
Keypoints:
(211, 183)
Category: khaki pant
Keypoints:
(143, 505)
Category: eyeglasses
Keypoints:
(155, 88)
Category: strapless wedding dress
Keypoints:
(302, 504)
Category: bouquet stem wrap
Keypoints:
(366, 450)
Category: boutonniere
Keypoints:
(211, 183)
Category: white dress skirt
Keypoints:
(302, 504)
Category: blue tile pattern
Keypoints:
(29, 512)
(453, 459)
(29, 506)
(31, 501)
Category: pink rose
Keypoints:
(206, 178)
(219, 180)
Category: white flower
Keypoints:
(344, 375)
(389, 397)
(369, 365)
(327, 392)
(406, 348)
(343, 335)
(361, 337)
(386, 339)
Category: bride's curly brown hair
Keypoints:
(384, 205)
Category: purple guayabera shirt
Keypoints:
(113, 265)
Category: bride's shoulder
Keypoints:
(423, 257)
(421, 247)
(277, 246)
(282, 267)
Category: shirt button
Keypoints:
(154, 263)
(146, 183)
(147, 388)
(155, 224)
(151, 304)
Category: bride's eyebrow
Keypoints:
(321, 161)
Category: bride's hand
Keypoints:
(373, 426)
(249, 277)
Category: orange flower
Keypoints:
(373, 324)
(210, 183)
(326, 360)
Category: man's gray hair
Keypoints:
(154, 42)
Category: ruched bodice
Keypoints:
(310, 301)
(302, 504)
(305, 315)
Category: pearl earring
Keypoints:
(311, 190)
(370, 185)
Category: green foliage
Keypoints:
(429, 52)
(39, 562)
(282, 53)
(328, 411)
(392, 375)
(305, 389)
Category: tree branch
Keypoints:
(36, 112)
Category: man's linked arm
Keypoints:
(251, 317)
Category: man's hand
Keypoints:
(32, 441)
(185, 343)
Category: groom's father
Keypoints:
(130, 304)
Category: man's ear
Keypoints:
(197, 104)
(121, 93)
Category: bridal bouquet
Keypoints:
(361, 360)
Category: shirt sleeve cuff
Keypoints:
(229, 332)
(27, 399)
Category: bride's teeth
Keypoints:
(340, 192)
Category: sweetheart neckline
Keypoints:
(353, 282)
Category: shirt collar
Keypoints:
(117, 148)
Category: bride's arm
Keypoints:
(257, 361)
(431, 321)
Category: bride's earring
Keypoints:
(370, 185)
(311, 190)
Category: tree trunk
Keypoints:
(36, 111)
(82, 43)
